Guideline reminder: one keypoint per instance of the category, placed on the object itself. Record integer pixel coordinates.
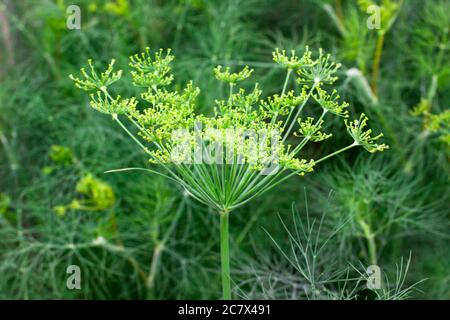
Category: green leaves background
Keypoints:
(156, 243)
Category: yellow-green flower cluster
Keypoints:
(363, 138)
(117, 7)
(330, 102)
(168, 111)
(223, 160)
(102, 103)
(94, 81)
(282, 104)
(4, 203)
(437, 123)
(61, 155)
(96, 194)
(299, 166)
(322, 71)
(311, 130)
(224, 74)
(239, 101)
(151, 71)
(292, 61)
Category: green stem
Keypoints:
(116, 118)
(376, 63)
(433, 87)
(225, 255)
(337, 152)
(371, 245)
(10, 155)
(231, 93)
(157, 252)
(286, 81)
(306, 139)
(286, 134)
(150, 282)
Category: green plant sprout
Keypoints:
(244, 148)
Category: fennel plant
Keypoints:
(248, 145)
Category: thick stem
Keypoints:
(433, 87)
(225, 255)
(376, 64)
(372, 248)
(371, 244)
(153, 270)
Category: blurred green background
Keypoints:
(135, 235)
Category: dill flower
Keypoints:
(282, 104)
(96, 194)
(321, 71)
(151, 72)
(292, 61)
(227, 76)
(94, 81)
(363, 138)
(330, 102)
(242, 150)
(61, 155)
(101, 103)
(312, 131)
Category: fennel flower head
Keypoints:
(247, 144)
